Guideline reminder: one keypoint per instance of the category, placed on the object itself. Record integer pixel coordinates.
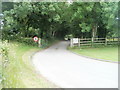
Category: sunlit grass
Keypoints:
(99, 52)
(0, 71)
(19, 72)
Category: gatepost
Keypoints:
(39, 42)
(71, 42)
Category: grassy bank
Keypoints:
(100, 52)
(18, 72)
(0, 71)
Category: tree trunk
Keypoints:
(53, 34)
(94, 31)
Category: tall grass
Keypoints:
(17, 70)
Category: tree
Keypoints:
(55, 20)
(109, 15)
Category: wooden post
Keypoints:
(79, 42)
(113, 41)
(105, 41)
(39, 42)
(92, 41)
(71, 42)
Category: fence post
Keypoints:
(114, 40)
(92, 41)
(79, 42)
(39, 42)
(105, 41)
(71, 42)
(118, 41)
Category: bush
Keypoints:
(27, 41)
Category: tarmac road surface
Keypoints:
(68, 70)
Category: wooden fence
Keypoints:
(93, 41)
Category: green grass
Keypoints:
(99, 52)
(19, 72)
(0, 71)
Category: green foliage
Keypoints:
(55, 20)
(109, 15)
(27, 41)
(85, 27)
(7, 6)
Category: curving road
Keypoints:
(68, 70)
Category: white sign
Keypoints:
(75, 40)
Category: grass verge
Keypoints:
(99, 52)
(0, 71)
(19, 72)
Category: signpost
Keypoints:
(37, 40)
(74, 41)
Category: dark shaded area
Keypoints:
(6, 6)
